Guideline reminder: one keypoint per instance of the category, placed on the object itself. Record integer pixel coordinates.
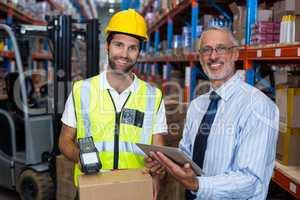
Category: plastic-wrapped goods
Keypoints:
(287, 29)
(196, 44)
(263, 27)
(276, 27)
(177, 44)
(262, 38)
(293, 28)
(220, 22)
(275, 38)
(199, 30)
(282, 29)
(156, 5)
(150, 18)
(187, 39)
(164, 47)
(265, 32)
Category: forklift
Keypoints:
(30, 130)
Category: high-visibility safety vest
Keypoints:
(115, 133)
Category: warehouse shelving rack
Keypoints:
(14, 14)
(18, 15)
(286, 177)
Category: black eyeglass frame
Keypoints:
(218, 50)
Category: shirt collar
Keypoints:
(105, 84)
(228, 88)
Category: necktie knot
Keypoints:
(214, 96)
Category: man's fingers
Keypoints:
(155, 168)
(155, 157)
(187, 165)
(145, 170)
(184, 172)
(148, 159)
(161, 170)
(188, 170)
(169, 164)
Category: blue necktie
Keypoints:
(203, 133)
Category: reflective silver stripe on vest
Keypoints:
(149, 113)
(85, 105)
(123, 147)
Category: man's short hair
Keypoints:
(226, 30)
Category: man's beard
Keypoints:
(113, 66)
(226, 71)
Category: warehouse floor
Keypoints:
(6, 194)
(275, 193)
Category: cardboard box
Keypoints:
(239, 18)
(288, 151)
(297, 28)
(286, 7)
(115, 185)
(65, 188)
(264, 15)
(175, 114)
(297, 7)
(289, 5)
(204, 20)
(288, 102)
(288, 78)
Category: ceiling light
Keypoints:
(111, 10)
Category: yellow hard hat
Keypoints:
(128, 21)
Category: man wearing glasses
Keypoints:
(230, 132)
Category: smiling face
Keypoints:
(123, 51)
(218, 64)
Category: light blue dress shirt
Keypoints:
(241, 147)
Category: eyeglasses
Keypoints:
(220, 50)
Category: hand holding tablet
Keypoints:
(174, 154)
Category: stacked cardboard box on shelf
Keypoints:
(287, 76)
(174, 86)
(175, 113)
(297, 22)
(297, 27)
(288, 7)
(285, 7)
(202, 87)
(288, 150)
(288, 101)
(239, 18)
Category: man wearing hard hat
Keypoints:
(115, 107)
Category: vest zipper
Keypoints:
(117, 130)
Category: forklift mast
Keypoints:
(62, 40)
(92, 38)
(30, 169)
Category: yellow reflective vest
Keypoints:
(115, 134)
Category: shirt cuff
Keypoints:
(206, 188)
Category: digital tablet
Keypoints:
(175, 154)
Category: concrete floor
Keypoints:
(6, 194)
